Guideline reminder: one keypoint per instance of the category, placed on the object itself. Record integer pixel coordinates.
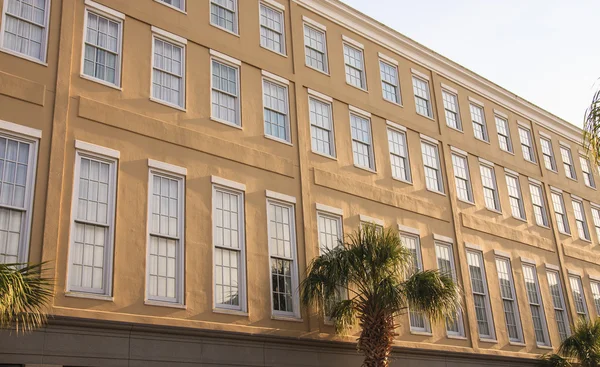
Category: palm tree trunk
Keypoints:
(376, 339)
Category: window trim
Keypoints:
(545, 217)
(459, 313)
(407, 158)
(306, 22)
(509, 142)
(386, 60)
(596, 221)
(279, 82)
(573, 171)
(562, 297)
(436, 146)
(531, 147)
(485, 131)
(425, 80)
(540, 304)
(45, 36)
(520, 192)
(553, 165)
(488, 308)
(236, 18)
(495, 188)
(579, 281)
(586, 227)
(347, 42)
(183, 3)
(158, 33)
(567, 231)
(236, 64)
(459, 122)
(321, 98)
(471, 196)
(372, 167)
(516, 310)
(275, 6)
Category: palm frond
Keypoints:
(584, 343)
(343, 314)
(433, 293)
(591, 128)
(24, 296)
(553, 360)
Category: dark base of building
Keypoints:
(77, 342)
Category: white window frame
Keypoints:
(459, 126)
(233, 63)
(470, 198)
(371, 150)
(319, 29)
(540, 303)
(522, 215)
(396, 87)
(459, 315)
(543, 207)
(112, 161)
(550, 157)
(116, 17)
(236, 21)
(509, 144)
(179, 42)
(329, 102)
(515, 303)
(497, 206)
(362, 72)
(179, 174)
(407, 169)
(563, 214)
(570, 173)
(272, 5)
(588, 175)
(438, 169)
(524, 146)
(288, 130)
(221, 185)
(427, 100)
(577, 279)
(595, 286)
(181, 8)
(419, 267)
(486, 295)
(596, 219)
(563, 307)
(581, 222)
(44, 43)
(484, 130)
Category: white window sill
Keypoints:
(547, 347)
(508, 151)
(365, 168)
(171, 6)
(427, 117)
(421, 333)
(551, 170)
(590, 187)
(494, 210)
(571, 178)
(402, 180)
(225, 122)
(564, 233)
(25, 57)
(99, 297)
(225, 30)
(359, 88)
(278, 140)
(315, 69)
(226, 311)
(532, 162)
(483, 141)
(465, 201)
(585, 240)
(435, 191)
(324, 155)
(273, 51)
(156, 100)
(455, 129)
(100, 81)
(517, 344)
(524, 220)
(486, 340)
(165, 304)
(542, 226)
(394, 103)
(287, 318)
(456, 337)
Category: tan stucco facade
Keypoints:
(55, 99)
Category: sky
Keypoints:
(545, 51)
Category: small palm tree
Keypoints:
(591, 129)
(582, 347)
(24, 296)
(378, 277)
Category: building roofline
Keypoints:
(369, 28)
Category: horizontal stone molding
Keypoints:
(184, 137)
(22, 89)
(581, 254)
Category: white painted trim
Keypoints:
(573, 272)
(329, 209)
(395, 125)
(280, 197)
(459, 151)
(543, 134)
(274, 4)
(227, 183)
(314, 23)
(555, 189)
(439, 237)
(169, 35)
(500, 113)
(387, 59)
(167, 167)
(476, 101)
(473, 246)
(20, 129)
(429, 139)
(564, 144)
(486, 162)
(594, 278)
(104, 9)
(97, 149)
(523, 125)
(407, 229)
(319, 95)
(449, 88)
(576, 198)
(552, 266)
(597, 206)
(276, 78)
(419, 74)
(502, 254)
(224, 57)
(511, 172)
(526, 260)
(359, 111)
(533, 180)
(352, 42)
(367, 219)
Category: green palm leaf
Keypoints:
(591, 129)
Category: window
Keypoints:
(451, 110)
(362, 146)
(479, 127)
(526, 144)
(539, 206)
(355, 66)
(578, 296)
(485, 323)
(515, 197)
(399, 155)
(490, 188)
(535, 305)
(168, 72)
(17, 161)
(92, 232)
(418, 321)
(422, 100)
(315, 48)
(588, 176)
(272, 29)
(509, 300)
(25, 28)
(102, 48)
(275, 101)
(225, 93)
(503, 134)
(445, 262)
(166, 237)
(548, 154)
(178, 4)
(464, 189)
(431, 165)
(282, 250)
(229, 241)
(223, 14)
(558, 300)
(321, 126)
(330, 231)
(596, 294)
(580, 221)
(561, 215)
(567, 159)
(390, 85)
(596, 217)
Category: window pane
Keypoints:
(275, 110)
(321, 126)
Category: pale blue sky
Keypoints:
(546, 51)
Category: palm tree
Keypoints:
(378, 277)
(582, 347)
(24, 296)
(591, 129)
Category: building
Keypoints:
(180, 162)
